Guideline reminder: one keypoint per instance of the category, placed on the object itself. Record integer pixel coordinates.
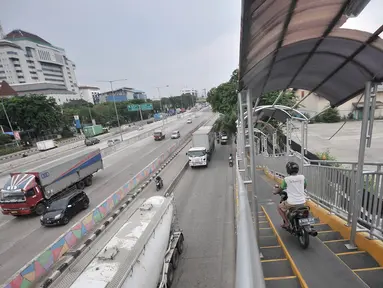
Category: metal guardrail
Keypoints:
(332, 185)
(249, 272)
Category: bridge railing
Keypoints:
(249, 272)
(332, 185)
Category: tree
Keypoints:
(331, 115)
(288, 98)
(223, 99)
(34, 111)
(5, 139)
(226, 122)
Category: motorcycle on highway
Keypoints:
(300, 222)
(159, 183)
(230, 161)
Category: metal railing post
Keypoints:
(352, 195)
(274, 143)
(249, 272)
(303, 134)
(253, 170)
(359, 173)
(241, 121)
(288, 135)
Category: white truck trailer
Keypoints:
(46, 145)
(144, 252)
(28, 192)
(203, 146)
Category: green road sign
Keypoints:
(133, 107)
(146, 106)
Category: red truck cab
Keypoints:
(158, 135)
(22, 195)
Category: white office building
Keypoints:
(27, 58)
(50, 90)
(192, 92)
(90, 94)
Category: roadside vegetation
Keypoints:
(37, 117)
(224, 97)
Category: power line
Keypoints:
(344, 123)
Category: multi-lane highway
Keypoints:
(204, 205)
(22, 238)
(113, 133)
(43, 157)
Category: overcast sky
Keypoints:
(179, 43)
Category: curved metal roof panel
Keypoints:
(298, 44)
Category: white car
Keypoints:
(175, 135)
(189, 121)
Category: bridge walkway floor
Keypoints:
(325, 263)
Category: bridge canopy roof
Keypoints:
(299, 44)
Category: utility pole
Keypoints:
(114, 100)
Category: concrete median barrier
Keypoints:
(39, 266)
(175, 181)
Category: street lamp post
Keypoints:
(114, 101)
(159, 96)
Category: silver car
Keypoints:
(175, 135)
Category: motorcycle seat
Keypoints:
(297, 209)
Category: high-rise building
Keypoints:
(27, 58)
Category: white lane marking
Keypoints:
(5, 222)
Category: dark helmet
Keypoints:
(292, 168)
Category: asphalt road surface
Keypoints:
(22, 238)
(65, 150)
(205, 209)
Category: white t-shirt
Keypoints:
(295, 188)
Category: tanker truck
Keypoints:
(143, 252)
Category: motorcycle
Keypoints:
(159, 184)
(230, 162)
(300, 222)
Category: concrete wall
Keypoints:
(314, 104)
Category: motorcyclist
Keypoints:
(294, 185)
(159, 179)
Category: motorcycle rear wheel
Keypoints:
(304, 238)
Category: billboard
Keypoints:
(77, 123)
